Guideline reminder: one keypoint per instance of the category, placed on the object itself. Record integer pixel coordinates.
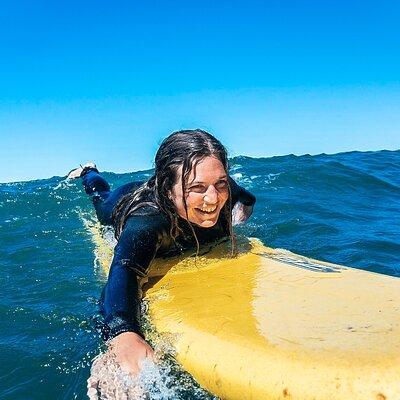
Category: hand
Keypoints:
(240, 213)
(129, 350)
(126, 351)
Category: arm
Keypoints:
(242, 203)
(136, 248)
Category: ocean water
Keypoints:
(342, 208)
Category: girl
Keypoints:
(189, 201)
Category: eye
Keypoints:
(221, 185)
(198, 189)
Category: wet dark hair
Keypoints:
(185, 148)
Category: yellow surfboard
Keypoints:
(269, 324)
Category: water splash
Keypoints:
(161, 381)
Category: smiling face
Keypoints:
(207, 190)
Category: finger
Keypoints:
(92, 388)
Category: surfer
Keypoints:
(189, 201)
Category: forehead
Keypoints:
(207, 170)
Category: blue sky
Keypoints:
(107, 81)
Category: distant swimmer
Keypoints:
(189, 201)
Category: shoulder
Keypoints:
(142, 236)
(145, 221)
(147, 227)
(240, 194)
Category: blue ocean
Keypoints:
(342, 208)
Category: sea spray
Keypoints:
(163, 380)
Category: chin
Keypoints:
(207, 224)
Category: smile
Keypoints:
(208, 210)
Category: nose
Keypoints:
(211, 195)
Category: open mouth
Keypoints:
(207, 210)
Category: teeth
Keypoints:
(208, 209)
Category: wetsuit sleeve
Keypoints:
(136, 248)
(241, 194)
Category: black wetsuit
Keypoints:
(144, 237)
